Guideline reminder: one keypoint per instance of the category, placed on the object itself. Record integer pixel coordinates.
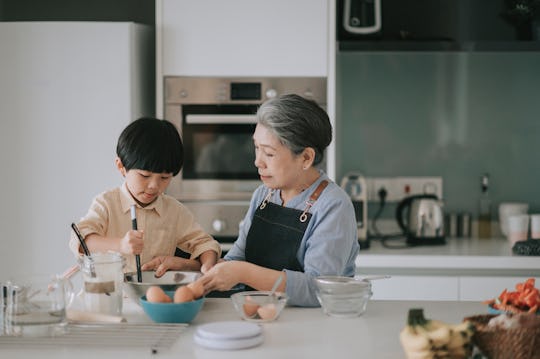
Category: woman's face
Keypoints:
(278, 167)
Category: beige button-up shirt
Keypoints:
(166, 222)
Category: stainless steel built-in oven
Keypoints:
(216, 118)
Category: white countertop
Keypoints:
(298, 333)
(471, 256)
(459, 256)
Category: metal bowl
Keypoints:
(170, 281)
(343, 296)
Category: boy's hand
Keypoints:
(161, 264)
(205, 267)
(132, 242)
(208, 260)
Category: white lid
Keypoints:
(229, 330)
(229, 335)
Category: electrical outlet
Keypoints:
(398, 188)
(376, 184)
(408, 186)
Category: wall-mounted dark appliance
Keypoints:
(216, 118)
(422, 21)
(396, 19)
(362, 17)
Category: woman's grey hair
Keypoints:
(298, 123)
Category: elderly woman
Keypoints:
(299, 224)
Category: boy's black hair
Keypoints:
(151, 144)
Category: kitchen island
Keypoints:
(463, 269)
(298, 333)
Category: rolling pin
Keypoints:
(80, 316)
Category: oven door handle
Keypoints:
(220, 119)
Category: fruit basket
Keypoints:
(507, 341)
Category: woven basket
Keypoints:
(498, 343)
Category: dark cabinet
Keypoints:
(469, 25)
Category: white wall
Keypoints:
(66, 92)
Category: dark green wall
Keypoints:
(450, 114)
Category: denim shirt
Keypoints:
(330, 243)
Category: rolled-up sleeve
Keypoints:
(191, 236)
(95, 221)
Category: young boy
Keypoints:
(149, 154)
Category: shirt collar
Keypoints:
(302, 196)
(127, 201)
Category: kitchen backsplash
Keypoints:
(451, 114)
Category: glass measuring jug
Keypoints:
(103, 280)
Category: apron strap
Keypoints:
(312, 199)
(266, 199)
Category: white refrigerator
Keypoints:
(67, 89)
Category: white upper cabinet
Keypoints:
(243, 37)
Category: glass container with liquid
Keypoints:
(484, 209)
(36, 305)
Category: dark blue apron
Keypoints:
(275, 235)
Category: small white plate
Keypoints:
(229, 335)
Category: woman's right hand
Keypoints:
(222, 276)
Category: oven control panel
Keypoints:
(245, 90)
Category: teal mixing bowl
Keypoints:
(172, 312)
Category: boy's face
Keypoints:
(144, 186)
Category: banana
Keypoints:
(459, 345)
(459, 353)
(414, 337)
(440, 354)
(413, 341)
(456, 341)
(432, 339)
(424, 354)
(465, 326)
(438, 332)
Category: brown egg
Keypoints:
(183, 294)
(155, 294)
(267, 311)
(250, 309)
(197, 288)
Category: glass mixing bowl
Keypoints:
(343, 296)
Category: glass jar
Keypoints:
(103, 279)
